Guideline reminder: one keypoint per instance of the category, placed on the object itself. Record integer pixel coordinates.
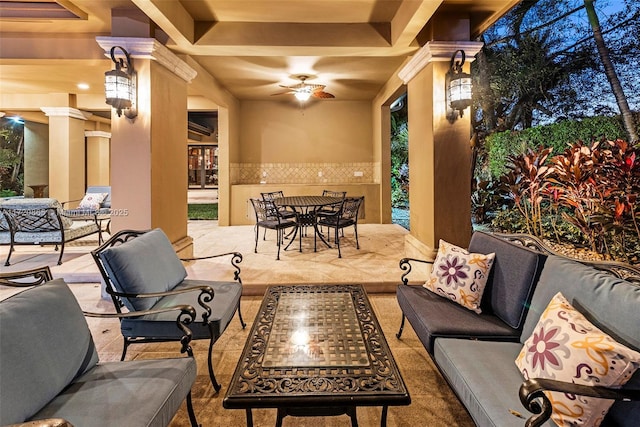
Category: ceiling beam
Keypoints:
(410, 19)
(171, 17)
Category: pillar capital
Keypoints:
(437, 51)
(66, 112)
(149, 48)
(97, 133)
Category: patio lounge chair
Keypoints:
(142, 272)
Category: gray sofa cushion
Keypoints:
(512, 278)
(223, 306)
(145, 264)
(131, 393)
(433, 316)
(44, 345)
(485, 378)
(610, 303)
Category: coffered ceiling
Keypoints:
(250, 47)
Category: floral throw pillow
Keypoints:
(459, 275)
(92, 201)
(565, 346)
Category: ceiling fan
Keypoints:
(303, 90)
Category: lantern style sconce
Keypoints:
(458, 85)
(120, 85)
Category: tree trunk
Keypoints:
(610, 72)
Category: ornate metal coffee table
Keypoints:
(316, 351)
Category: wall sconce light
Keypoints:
(120, 85)
(458, 85)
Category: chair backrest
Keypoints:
(330, 193)
(350, 207)
(271, 195)
(45, 344)
(136, 262)
(35, 215)
(265, 210)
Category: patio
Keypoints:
(375, 265)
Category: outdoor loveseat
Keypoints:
(532, 298)
(40, 221)
(50, 373)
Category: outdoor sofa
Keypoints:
(51, 375)
(41, 221)
(477, 353)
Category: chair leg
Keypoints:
(9, 256)
(124, 349)
(240, 316)
(355, 231)
(61, 252)
(399, 334)
(214, 382)
(255, 249)
(338, 243)
(192, 414)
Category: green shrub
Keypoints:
(500, 146)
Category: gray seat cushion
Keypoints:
(131, 393)
(485, 378)
(146, 264)
(432, 316)
(45, 344)
(512, 279)
(223, 306)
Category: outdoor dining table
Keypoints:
(306, 208)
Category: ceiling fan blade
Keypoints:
(288, 92)
(322, 94)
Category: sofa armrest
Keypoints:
(236, 259)
(405, 265)
(47, 422)
(532, 391)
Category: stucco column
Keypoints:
(98, 156)
(439, 152)
(149, 153)
(36, 156)
(66, 152)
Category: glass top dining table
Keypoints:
(306, 208)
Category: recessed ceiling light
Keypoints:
(83, 86)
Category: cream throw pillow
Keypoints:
(565, 346)
(92, 201)
(459, 275)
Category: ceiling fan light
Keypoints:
(303, 95)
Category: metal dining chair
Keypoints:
(269, 217)
(346, 216)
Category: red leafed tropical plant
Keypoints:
(525, 183)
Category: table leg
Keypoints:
(383, 418)
(249, 417)
(352, 414)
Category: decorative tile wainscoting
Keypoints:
(304, 173)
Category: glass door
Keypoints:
(203, 166)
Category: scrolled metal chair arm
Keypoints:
(47, 422)
(38, 276)
(186, 316)
(206, 295)
(405, 265)
(236, 259)
(536, 401)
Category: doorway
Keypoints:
(203, 166)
